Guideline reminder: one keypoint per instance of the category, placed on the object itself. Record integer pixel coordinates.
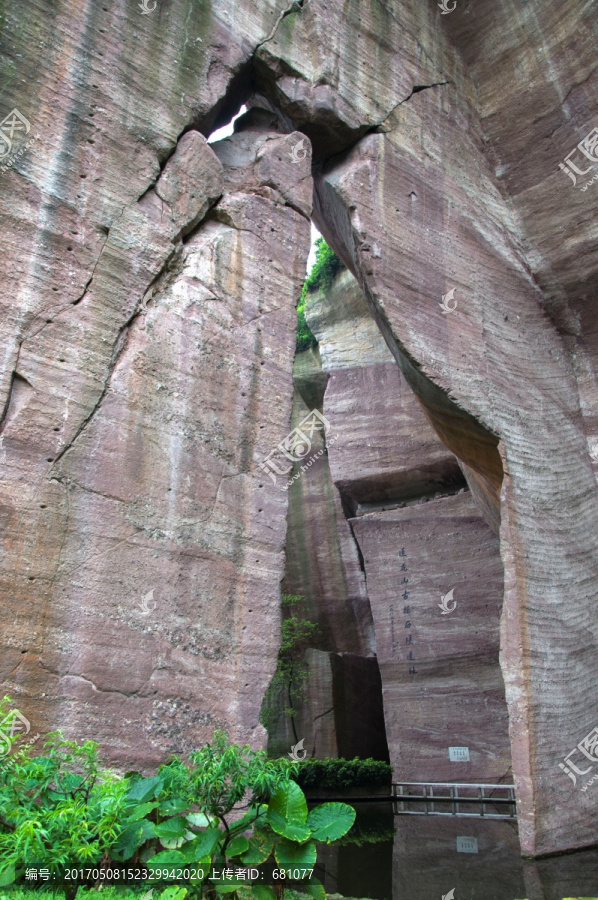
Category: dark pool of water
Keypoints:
(431, 855)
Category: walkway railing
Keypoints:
(491, 801)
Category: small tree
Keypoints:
(292, 673)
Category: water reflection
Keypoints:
(430, 856)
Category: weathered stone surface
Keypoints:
(144, 501)
(427, 861)
(441, 681)
(322, 559)
(505, 365)
(457, 193)
(347, 333)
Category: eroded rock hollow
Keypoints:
(148, 371)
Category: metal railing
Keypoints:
(490, 801)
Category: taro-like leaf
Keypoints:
(289, 800)
(173, 807)
(260, 848)
(166, 858)
(139, 812)
(289, 854)
(263, 892)
(237, 846)
(202, 845)
(132, 837)
(173, 832)
(144, 790)
(174, 893)
(313, 888)
(198, 820)
(330, 821)
(294, 831)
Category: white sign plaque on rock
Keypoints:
(467, 845)
(459, 754)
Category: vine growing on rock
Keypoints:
(326, 266)
(291, 676)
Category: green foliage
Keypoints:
(290, 678)
(337, 774)
(326, 266)
(305, 337)
(57, 809)
(61, 810)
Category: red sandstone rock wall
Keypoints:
(437, 142)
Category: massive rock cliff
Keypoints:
(148, 294)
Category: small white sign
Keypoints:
(467, 845)
(459, 754)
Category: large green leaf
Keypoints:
(237, 846)
(174, 893)
(202, 845)
(294, 831)
(290, 802)
(313, 888)
(198, 820)
(174, 832)
(173, 806)
(7, 875)
(166, 858)
(145, 789)
(288, 854)
(139, 812)
(133, 836)
(260, 848)
(330, 821)
(263, 892)
(252, 817)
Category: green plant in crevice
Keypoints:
(292, 673)
(326, 266)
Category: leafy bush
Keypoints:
(326, 266)
(337, 774)
(228, 805)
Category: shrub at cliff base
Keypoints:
(228, 806)
(338, 774)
